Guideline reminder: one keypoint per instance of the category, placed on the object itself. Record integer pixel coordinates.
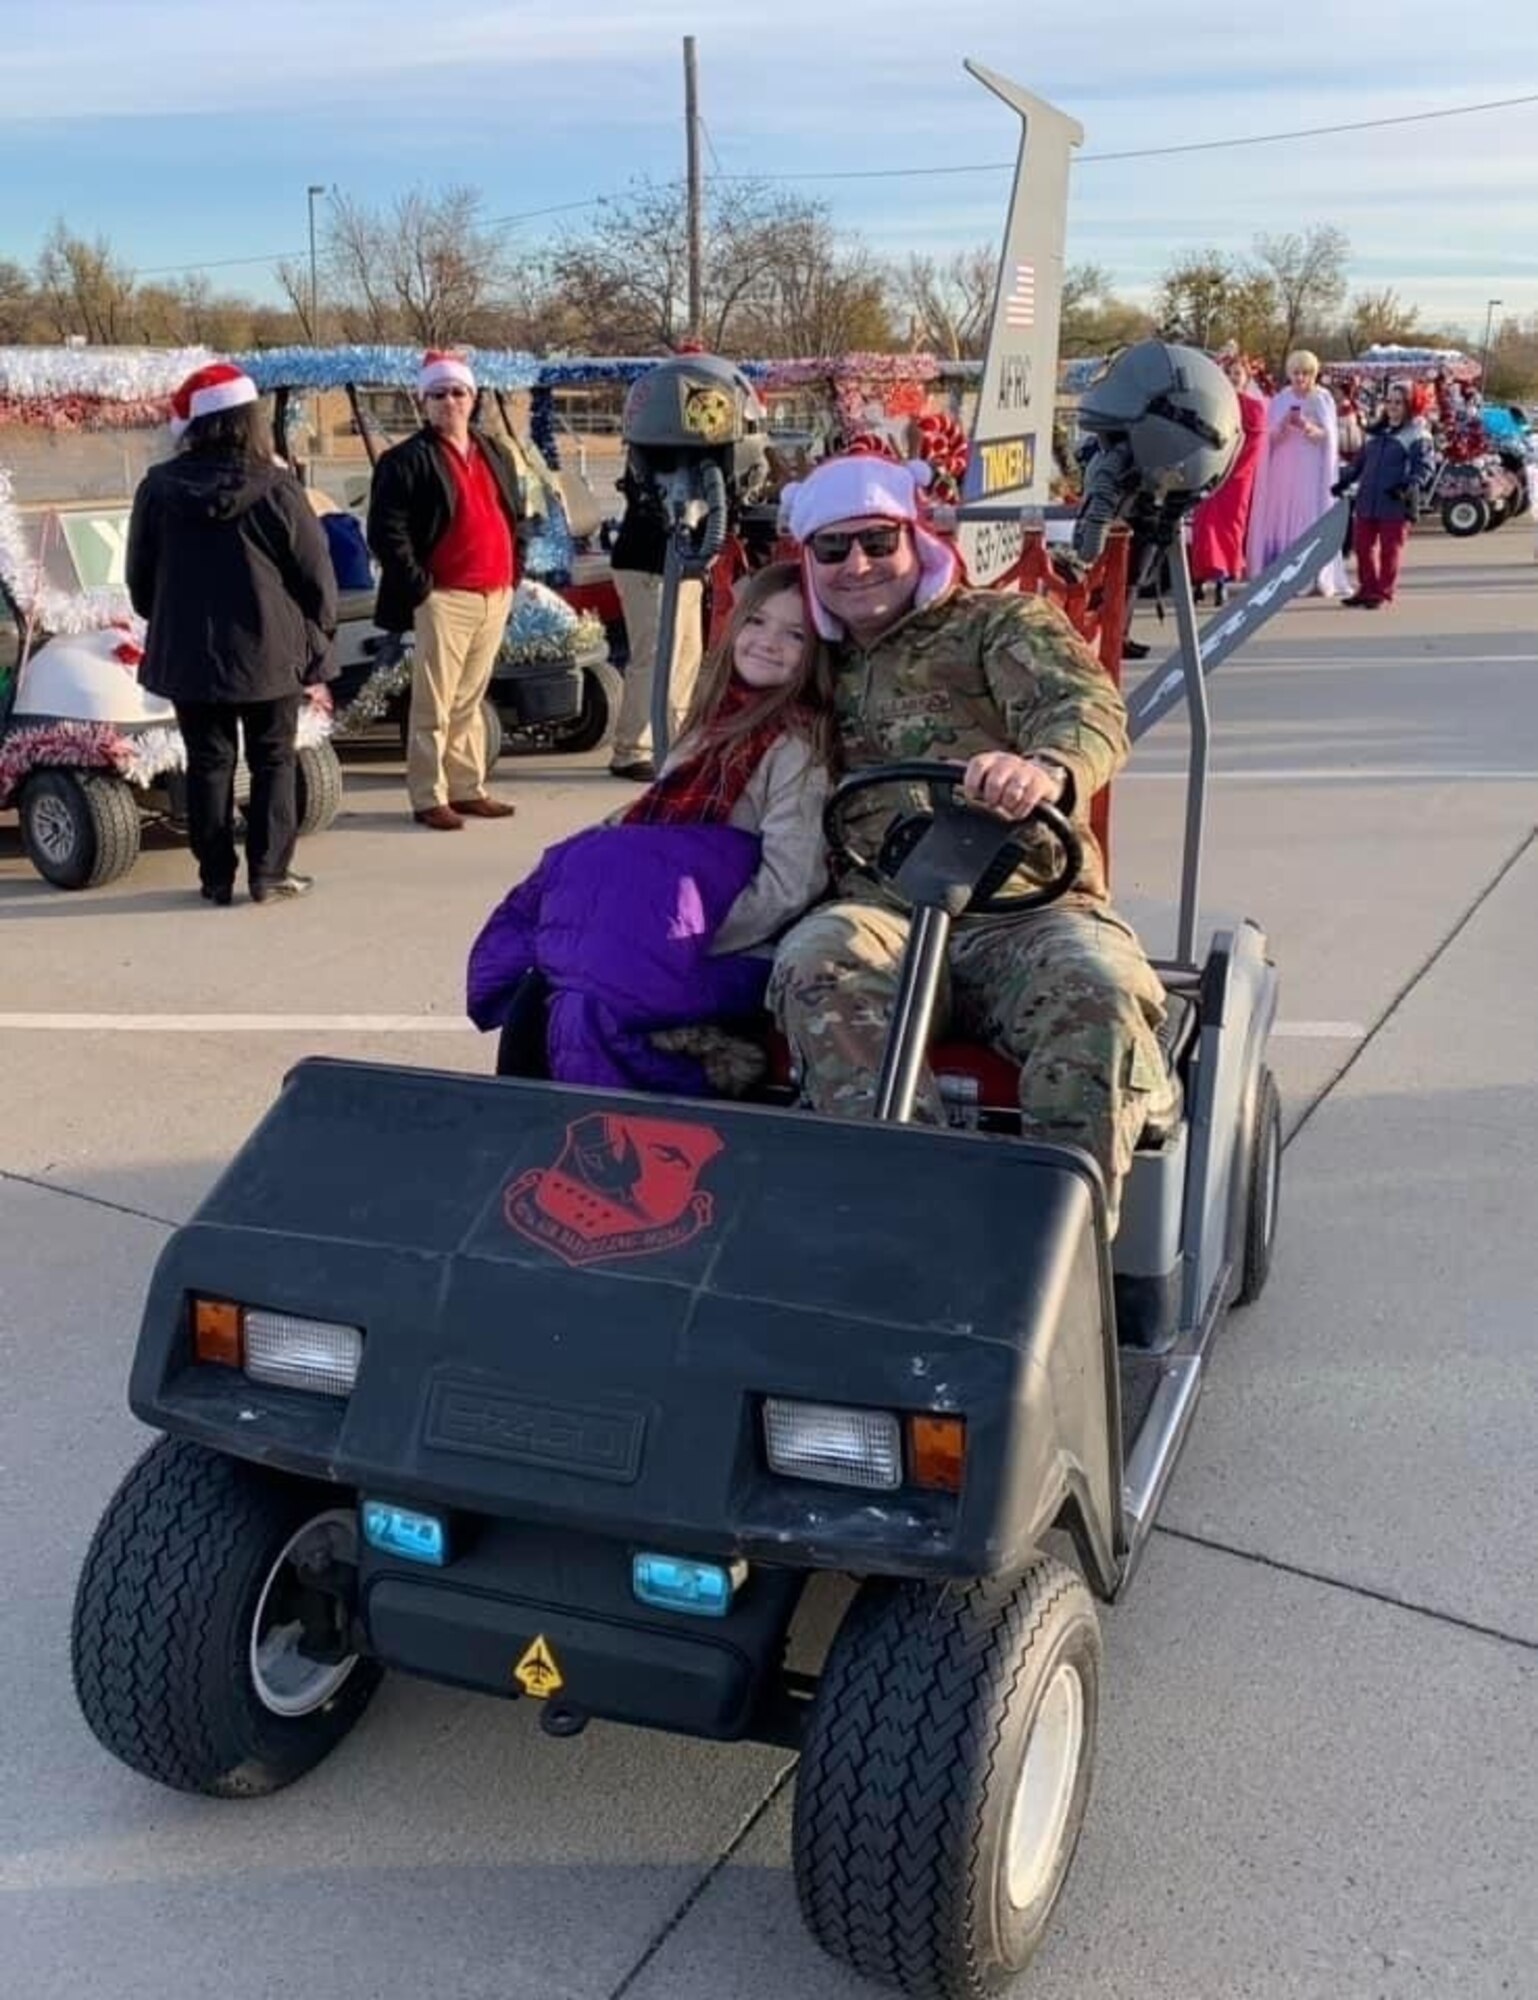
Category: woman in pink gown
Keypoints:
(1300, 465)
(1219, 524)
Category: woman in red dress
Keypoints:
(1219, 524)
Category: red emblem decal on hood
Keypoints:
(623, 1187)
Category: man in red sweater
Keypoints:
(443, 522)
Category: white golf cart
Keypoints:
(88, 757)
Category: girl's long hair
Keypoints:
(804, 705)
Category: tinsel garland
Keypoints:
(374, 697)
(140, 756)
(377, 367)
(92, 388)
(543, 626)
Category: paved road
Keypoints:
(1319, 1769)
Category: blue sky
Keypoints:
(188, 134)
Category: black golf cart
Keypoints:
(593, 1399)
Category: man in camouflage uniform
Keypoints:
(1000, 682)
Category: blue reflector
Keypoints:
(674, 1583)
(399, 1531)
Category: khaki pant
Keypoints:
(1066, 993)
(640, 599)
(458, 633)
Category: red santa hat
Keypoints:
(860, 486)
(219, 386)
(442, 370)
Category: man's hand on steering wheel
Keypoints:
(1011, 785)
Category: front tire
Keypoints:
(79, 828)
(945, 1777)
(209, 1644)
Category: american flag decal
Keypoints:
(1020, 306)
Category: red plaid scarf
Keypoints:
(703, 788)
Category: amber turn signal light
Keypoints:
(217, 1331)
(937, 1452)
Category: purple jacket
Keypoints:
(619, 919)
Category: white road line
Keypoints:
(1260, 663)
(401, 1024)
(1358, 774)
(241, 1024)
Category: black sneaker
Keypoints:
(284, 890)
(640, 772)
(221, 894)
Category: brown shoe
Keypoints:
(444, 818)
(483, 808)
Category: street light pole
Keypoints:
(313, 191)
(1484, 359)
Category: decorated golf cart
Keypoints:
(88, 757)
(554, 688)
(1479, 474)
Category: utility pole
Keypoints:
(692, 153)
(313, 190)
(1484, 357)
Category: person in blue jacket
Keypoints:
(1386, 475)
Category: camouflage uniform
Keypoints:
(1066, 992)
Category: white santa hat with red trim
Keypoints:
(861, 486)
(207, 391)
(442, 370)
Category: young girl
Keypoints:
(657, 922)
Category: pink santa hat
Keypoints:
(219, 386)
(442, 370)
(861, 486)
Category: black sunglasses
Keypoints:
(833, 547)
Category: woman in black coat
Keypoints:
(229, 566)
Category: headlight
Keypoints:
(319, 1355)
(314, 1354)
(841, 1447)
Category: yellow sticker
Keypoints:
(537, 1673)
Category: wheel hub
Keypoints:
(288, 1680)
(1045, 1788)
(53, 829)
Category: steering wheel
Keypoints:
(956, 856)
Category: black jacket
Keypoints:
(410, 506)
(228, 563)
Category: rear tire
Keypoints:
(1465, 517)
(945, 1776)
(317, 786)
(188, 1644)
(79, 828)
(491, 721)
(1262, 1191)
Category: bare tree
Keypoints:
(18, 304)
(1195, 297)
(1379, 316)
(83, 287)
(1095, 320)
(1309, 274)
(948, 306)
(773, 272)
